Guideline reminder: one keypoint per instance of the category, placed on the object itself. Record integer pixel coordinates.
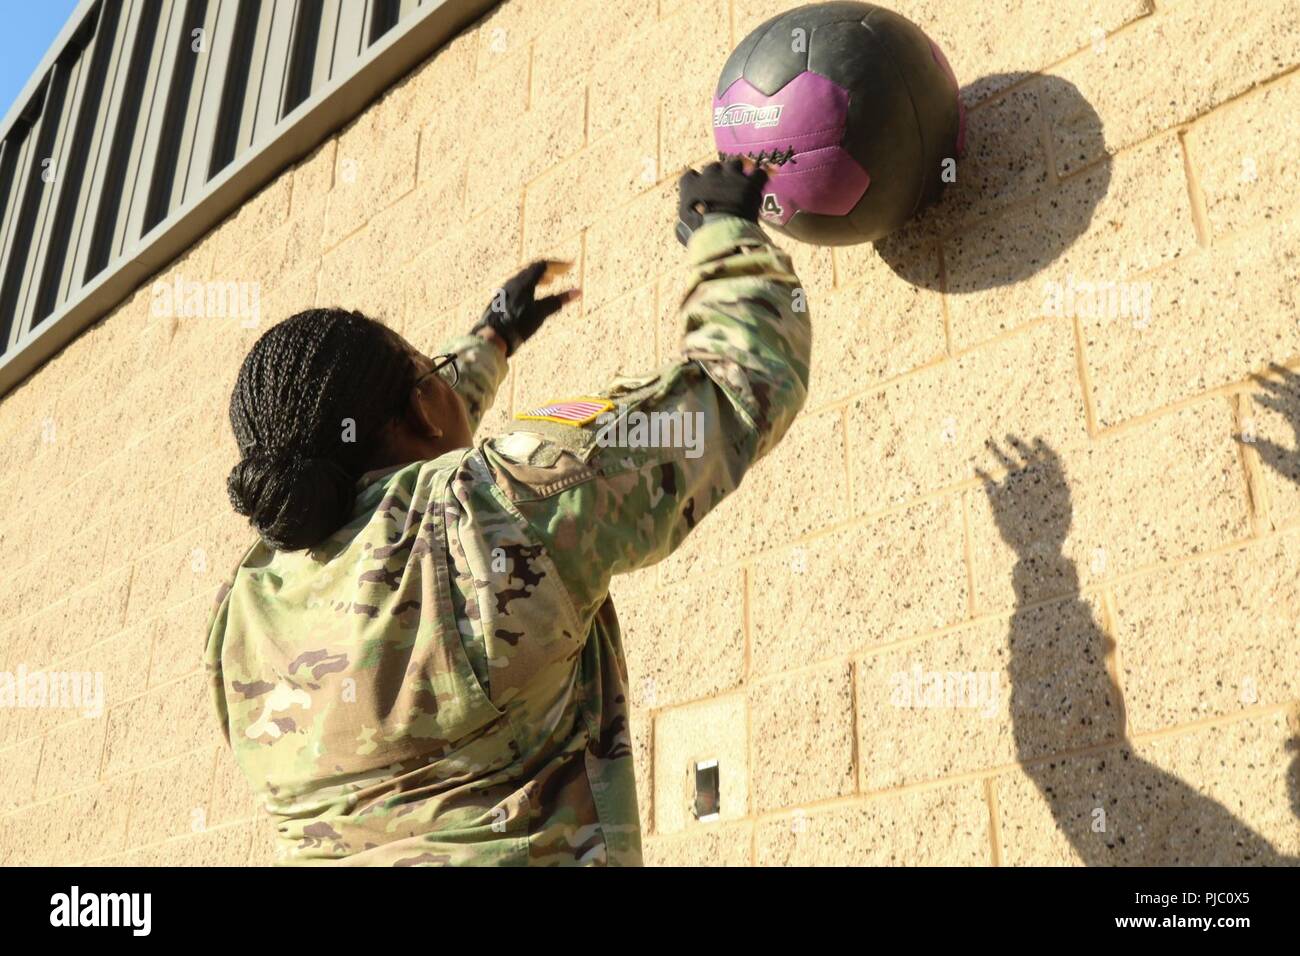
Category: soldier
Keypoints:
(419, 662)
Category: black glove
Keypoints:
(514, 313)
(721, 188)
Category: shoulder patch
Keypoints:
(572, 411)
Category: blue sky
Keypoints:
(27, 28)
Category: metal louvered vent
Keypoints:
(149, 121)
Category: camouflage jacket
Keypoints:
(442, 680)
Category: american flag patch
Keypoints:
(574, 411)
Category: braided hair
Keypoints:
(312, 397)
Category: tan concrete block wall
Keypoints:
(1147, 677)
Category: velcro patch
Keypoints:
(573, 411)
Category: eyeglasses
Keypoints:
(441, 362)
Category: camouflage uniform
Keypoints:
(442, 680)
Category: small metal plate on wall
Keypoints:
(707, 803)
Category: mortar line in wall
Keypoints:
(1195, 196)
(292, 169)
(866, 796)
(228, 825)
(830, 530)
(943, 233)
(103, 782)
(1144, 571)
(1227, 239)
(1217, 721)
(1254, 231)
(1238, 386)
(115, 635)
(128, 700)
(995, 824)
(1004, 613)
(419, 148)
(1131, 26)
(365, 224)
(1256, 496)
(974, 219)
(1259, 87)
(1178, 128)
(129, 567)
(1085, 381)
(43, 739)
(876, 387)
(103, 747)
(970, 776)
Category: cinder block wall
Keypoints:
(1145, 672)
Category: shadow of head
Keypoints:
(1034, 171)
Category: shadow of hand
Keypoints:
(1283, 397)
(1031, 505)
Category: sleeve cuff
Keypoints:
(482, 353)
(720, 235)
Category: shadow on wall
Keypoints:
(1006, 163)
(1150, 817)
(1282, 395)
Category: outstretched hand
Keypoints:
(515, 313)
(1282, 396)
(1031, 505)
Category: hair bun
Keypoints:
(294, 502)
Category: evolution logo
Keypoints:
(742, 114)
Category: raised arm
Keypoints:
(512, 317)
(482, 367)
(604, 503)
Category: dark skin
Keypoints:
(436, 420)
